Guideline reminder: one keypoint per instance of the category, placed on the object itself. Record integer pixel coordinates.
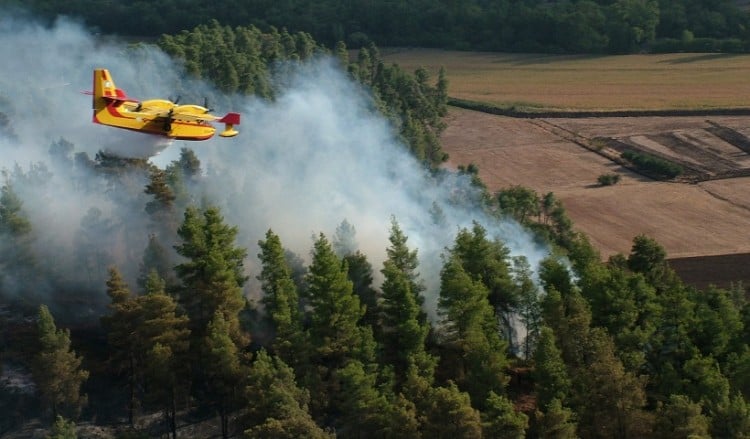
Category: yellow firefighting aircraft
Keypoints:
(154, 116)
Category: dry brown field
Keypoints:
(702, 220)
(658, 81)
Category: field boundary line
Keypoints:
(571, 114)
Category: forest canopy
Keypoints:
(567, 26)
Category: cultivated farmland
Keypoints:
(704, 212)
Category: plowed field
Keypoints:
(705, 213)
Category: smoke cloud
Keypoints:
(301, 165)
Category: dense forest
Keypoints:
(566, 26)
(335, 345)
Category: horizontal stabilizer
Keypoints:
(230, 119)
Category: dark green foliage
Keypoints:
(550, 375)
(63, 429)
(658, 167)
(519, 202)
(277, 407)
(680, 418)
(334, 333)
(213, 275)
(414, 105)
(403, 328)
(16, 237)
(555, 422)
(281, 300)
(608, 179)
(236, 59)
(470, 329)
(501, 420)
(450, 415)
(57, 369)
(224, 373)
(527, 25)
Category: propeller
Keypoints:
(168, 120)
(205, 105)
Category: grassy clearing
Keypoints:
(589, 82)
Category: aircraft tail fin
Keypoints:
(105, 89)
(229, 121)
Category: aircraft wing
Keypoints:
(194, 113)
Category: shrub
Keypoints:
(608, 179)
(654, 165)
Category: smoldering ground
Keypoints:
(315, 156)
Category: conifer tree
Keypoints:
(281, 300)
(213, 275)
(334, 333)
(406, 261)
(277, 407)
(359, 271)
(224, 372)
(680, 418)
(63, 429)
(403, 333)
(555, 422)
(551, 380)
(16, 255)
(364, 411)
(121, 323)
(156, 257)
(344, 242)
(57, 369)
(471, 330)
(529, 307)
(501, 420)
(487, 262)
(450, 415)
(163, 338)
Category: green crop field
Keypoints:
(590, 82)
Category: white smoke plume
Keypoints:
(301, 165)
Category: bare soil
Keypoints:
(706, 212)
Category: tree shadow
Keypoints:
(698, 57)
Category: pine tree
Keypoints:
(163, 338)
(555, 422)
(501, 420)
(529, 308)
(609, 400)
(281, 300)
(359, 271)
(57, 369)
(157, 258)
(224, 372)
(488, 262)
(551, 379)
(334, 310)
(363, 410)
(344, 241)
(63, 429)
(334, 333)
(16, 255)
(277, 407)
(403, 333)
(680, 418)
(406, 261)
(213, 275)
(121, 323)
(450, 415)
(471, 331)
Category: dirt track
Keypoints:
(710, 217)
